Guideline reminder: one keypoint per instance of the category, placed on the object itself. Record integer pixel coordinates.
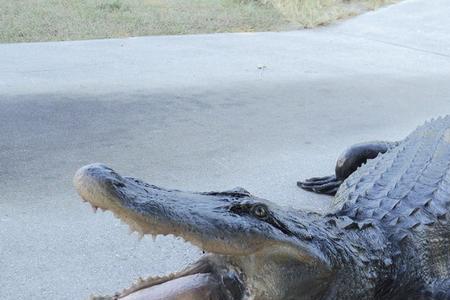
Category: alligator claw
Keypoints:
(322, 185)
(320, 179)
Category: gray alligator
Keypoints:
(386, 237)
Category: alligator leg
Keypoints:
(350, 160)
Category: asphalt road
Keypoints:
(203, 112)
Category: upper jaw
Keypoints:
(203, 219)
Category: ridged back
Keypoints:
(406, 187)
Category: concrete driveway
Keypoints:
(204, 112)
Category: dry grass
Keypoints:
(311, 13)
(49, 20)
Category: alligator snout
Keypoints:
(97, 183)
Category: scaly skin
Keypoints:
(386, 238)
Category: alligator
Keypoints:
(386, 235)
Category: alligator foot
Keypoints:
(348, 162)
(323, 185)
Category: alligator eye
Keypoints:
(260, 211)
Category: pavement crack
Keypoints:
(399, 45)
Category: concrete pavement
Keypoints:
(203, 112)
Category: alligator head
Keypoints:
(253, 248)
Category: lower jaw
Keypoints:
(203, 286)
(210, 278)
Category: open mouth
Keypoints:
(213, 276)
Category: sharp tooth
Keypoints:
(94, 208)
(133, 228)
(140, 235)
(154, 237)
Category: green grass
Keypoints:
(49, 20)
